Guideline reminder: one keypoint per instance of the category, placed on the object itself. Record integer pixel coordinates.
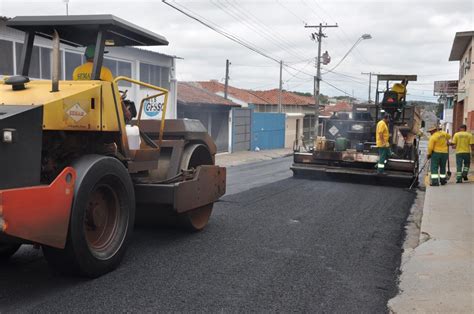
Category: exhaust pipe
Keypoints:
(56, 64)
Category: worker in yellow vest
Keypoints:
(463, 141)
(84, 71)
(438, 152)
(382, 143)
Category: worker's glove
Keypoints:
(429, 156)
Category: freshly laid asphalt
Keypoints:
(293, 245)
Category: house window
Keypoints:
(119, 68)
(34, 70)
(6, 57)
(155, 75)
(72, 61)
(45, 57)
(165, 77)
(40, 64)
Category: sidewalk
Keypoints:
(239, 158)
(438, 275)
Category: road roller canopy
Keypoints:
(397, 77)
(80, 31)
(83, 30)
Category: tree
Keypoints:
(323, 99)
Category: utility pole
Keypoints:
(226, 87)
(370, 83)
(317, 79)
(281, 87)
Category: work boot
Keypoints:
(443, 181)
(464, 176)
(434, 183)
(458, 180)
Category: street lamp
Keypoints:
(361, 38)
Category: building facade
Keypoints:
(298, 110)
(462, 51)
(144, 65)
(214, 112)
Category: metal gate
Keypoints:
(241, 129)
(268, 130)
(215, 121)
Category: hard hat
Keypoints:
(433, 129)
(90, 51)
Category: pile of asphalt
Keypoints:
(291, 246)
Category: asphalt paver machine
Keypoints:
(346, 150)
(74, 167)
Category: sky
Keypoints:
(408, 37)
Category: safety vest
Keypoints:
(438, 142)
(463, 141)
(84, 72)
(382, 128)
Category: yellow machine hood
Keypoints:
(78, 105)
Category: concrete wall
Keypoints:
(466, 85)
(291, 130)
(215, 120)
(285, 108)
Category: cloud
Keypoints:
(408, 37)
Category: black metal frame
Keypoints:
(389, 78)
(98, 55)
(26, 52)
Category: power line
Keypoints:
(252, 65)
(312, 10)
(293, 75)
(242, 19)
(303, 72)
(291, 12)
(298, 85)
(335, 87)
(299, 61)
(357, 79)
(222, 32)
(283, 41)
(347, 40)
(348, 81)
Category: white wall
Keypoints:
(290, 128)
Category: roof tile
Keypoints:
(190, 93)
(268, 97)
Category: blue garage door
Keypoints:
(268, 130)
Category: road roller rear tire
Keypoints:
(7, 250)
(102, 219)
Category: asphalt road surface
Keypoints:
(292, 245)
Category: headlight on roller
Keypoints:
(8, 135)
